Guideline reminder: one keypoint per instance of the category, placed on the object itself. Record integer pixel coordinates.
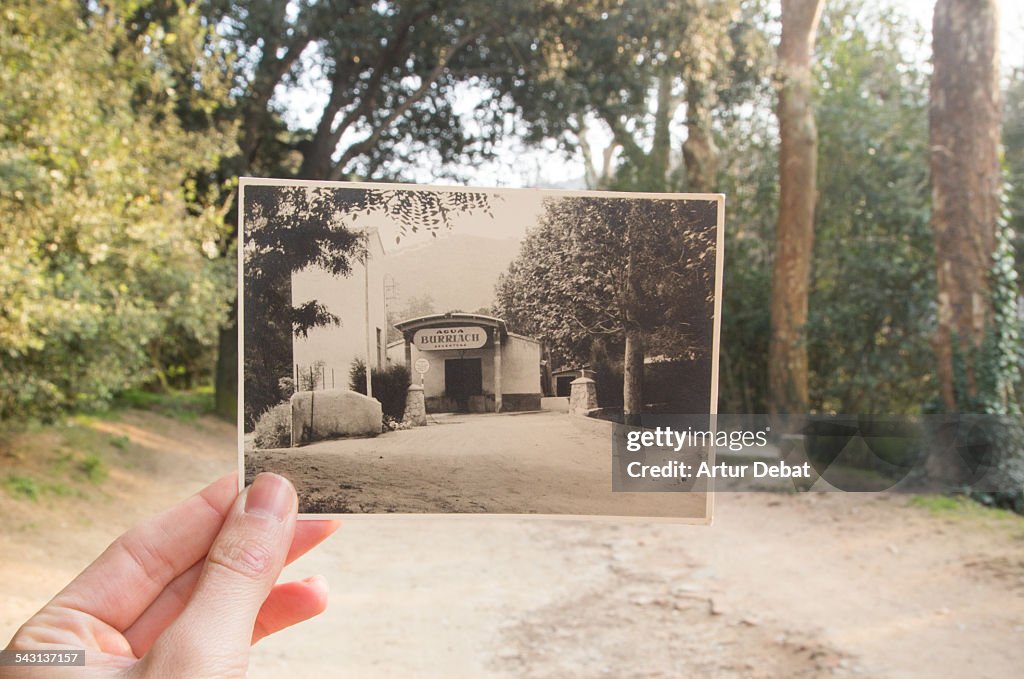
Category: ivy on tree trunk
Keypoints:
(964, 130)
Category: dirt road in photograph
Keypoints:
(780, 586)
(508, 463)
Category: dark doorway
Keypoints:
(563, 385)
(463, 377)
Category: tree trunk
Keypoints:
(787, 368)
(699, 152)
(964, 129)
(633, 376)
(633, 360)
(661, 147)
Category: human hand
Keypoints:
(186, 593)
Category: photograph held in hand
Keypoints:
(509, 336)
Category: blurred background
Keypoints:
(872, 154)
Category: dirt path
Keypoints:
(799, 585)
(508, 463)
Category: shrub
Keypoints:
(389, 386)
(391, 424)
(274, 427)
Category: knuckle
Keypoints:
(246, 556)
(153, 562)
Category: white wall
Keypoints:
(520, 366)
(345, 297)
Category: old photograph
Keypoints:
(450, 350)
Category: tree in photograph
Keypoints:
(967, 182)
(637, 273)
(794, 239)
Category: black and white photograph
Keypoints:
(445, 350)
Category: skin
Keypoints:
(186, 592)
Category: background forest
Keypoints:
(125, 123)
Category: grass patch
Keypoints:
(185, 406)
(94, 468)
(61, 490)
(23, 487)
(28, 488)
(960, 506)
(80, 438)
(62, 460)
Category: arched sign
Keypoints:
(456, 337)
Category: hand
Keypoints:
(186, 593)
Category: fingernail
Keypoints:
(271, 495)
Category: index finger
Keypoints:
(128, 576)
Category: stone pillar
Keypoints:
(497, 370)
(415, 407)
(583, 396)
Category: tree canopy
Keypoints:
(109, 269)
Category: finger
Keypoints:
(309, 534)
(212, 635)
(290, 603)
(136, 567)
(169, 604)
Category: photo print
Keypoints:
(446, 350)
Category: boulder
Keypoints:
(334, 413)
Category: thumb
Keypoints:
(212, 635)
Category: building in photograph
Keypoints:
(470, 363)
(324, 357)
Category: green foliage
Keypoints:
(94, 468)
(273, 428)
(183, 405)
(23, 486)
(998, 361)
(749, 178)
(960, 507)
(388, 72)
(998, 384)
(107, 253)
(871, 307)
(1013, 158)
(872, 298)
(26, 487)
(631, 68)
(390, 386)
